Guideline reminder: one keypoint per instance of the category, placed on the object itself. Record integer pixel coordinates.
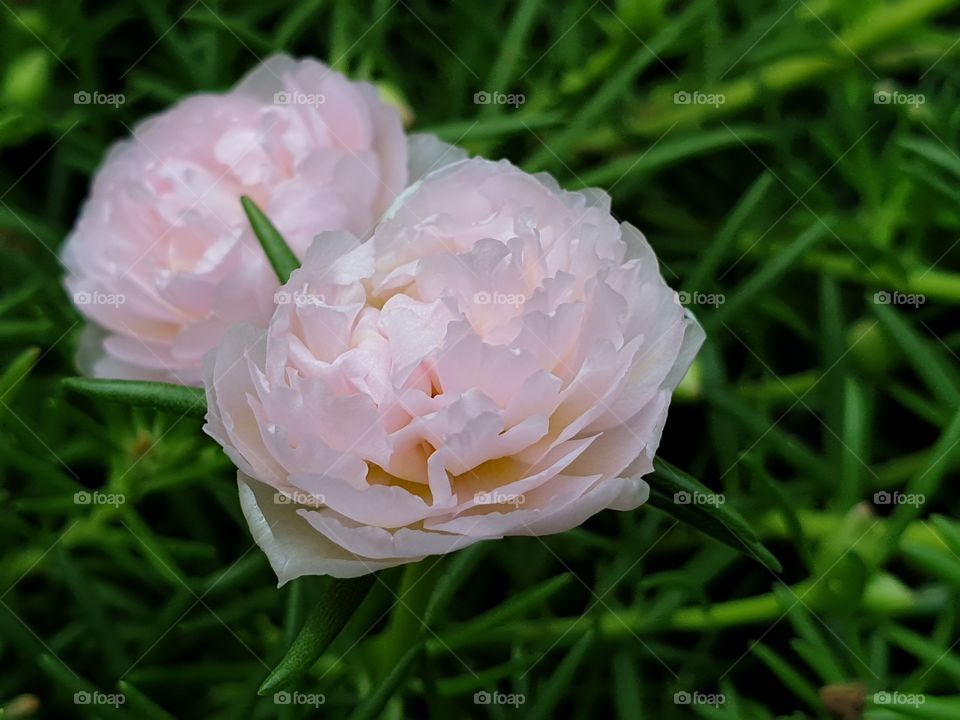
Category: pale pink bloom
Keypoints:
(496, 360)
(162, 259)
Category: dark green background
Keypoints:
(797, 199)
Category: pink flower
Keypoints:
(496, 360)
(162, 258)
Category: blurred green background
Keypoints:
(795, 166)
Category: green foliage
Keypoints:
(810, 217)
(281, 257)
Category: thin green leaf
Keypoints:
(939, 563)
(372, 706)
(62, 674)
(457, 570)
(322, 626)
(298, 21)
(610, 93)
(175, 399)
(787, 445)
(15, 373)
(833, 355)
(140, 704)
(691, 502)
(791, 679)
(930, 653)
(154, 550)
(550, 695)
(278, 252)
(627, 696)
(949, 532)
(21, 294)
(934, 152)
(927, 358)
(799, 617)
(924, 485)
(88, 595)
(746, 207)
(664, 154)
(465, 131)
(766, 275)
(517, 605)
(478, 680)
(855, 453)
(787, 506)
(513, 47)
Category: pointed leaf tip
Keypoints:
(177, 399)
(322, 626)
(691, 502)
(278, 252)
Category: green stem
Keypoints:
(934, 284)
(336, 607)
(406, 620)
(876, 27)
(884, 596)
(782, 389)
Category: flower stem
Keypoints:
(406, 619)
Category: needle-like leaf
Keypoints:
(167, 397)
(279, 254)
